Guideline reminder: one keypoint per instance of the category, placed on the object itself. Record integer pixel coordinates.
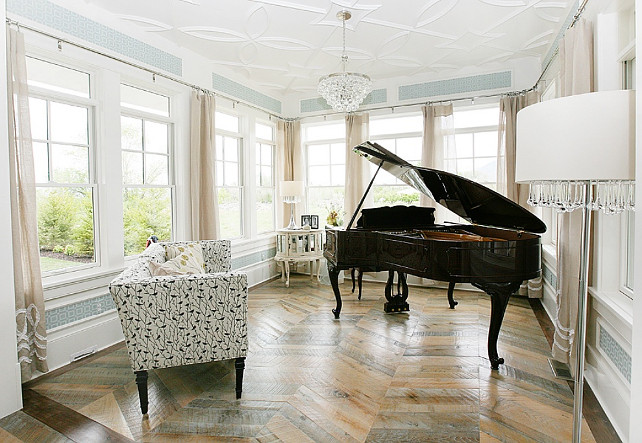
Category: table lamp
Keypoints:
(291, 192)
(578, 152)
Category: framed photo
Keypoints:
(314, 221)
(305, 220)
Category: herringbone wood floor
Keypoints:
(370, 376)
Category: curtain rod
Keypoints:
(431, 102)
(141, 67)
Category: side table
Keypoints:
(296, 245)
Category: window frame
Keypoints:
(306, 144)
(171, 157)
(475, 130)
(258, 143)
(241, 137)
(396, 136)
(91, 104)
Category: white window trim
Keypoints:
(244, 176)
(171, 154)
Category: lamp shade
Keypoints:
(580, 137)
(291, 189)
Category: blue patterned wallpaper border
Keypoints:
(78, 311)
(459, 85)
(555, 45)
(319, 104)
(242, 92)
(81, 310)
(57, 17)
(549, 276)
(615, 353)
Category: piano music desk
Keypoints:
(297, 245)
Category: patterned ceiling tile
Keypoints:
(280, 42)
(147, 24)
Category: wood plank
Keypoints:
(65, 420)
(421, 375)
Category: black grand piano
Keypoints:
(496, 253)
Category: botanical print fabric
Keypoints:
(179, 320)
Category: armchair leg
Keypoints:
(141, 382)
(240, 366)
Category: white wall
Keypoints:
(635, 428)
(11, 397)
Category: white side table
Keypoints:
(296, 245)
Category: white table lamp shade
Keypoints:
(291, 189)
(581, 137)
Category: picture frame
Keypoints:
(305, 220)
(314, 221)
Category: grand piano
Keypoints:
(495, 253)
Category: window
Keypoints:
(629, 243)
(229, 185)
(475, 154)
(61, 125)
(325, 151)
(265, 149)
(403, 137)
(147, 171)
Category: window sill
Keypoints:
(549, 254)
(242, 246)
(617, 304)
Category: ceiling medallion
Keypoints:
(344, 91)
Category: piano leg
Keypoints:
(396, 302)
(499, 295)
(359, 279)
(451, 299)
(333, 273)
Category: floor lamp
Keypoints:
(291, 192)
(578, 152)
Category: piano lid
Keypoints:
(466, 198)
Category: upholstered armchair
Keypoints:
(174, 320)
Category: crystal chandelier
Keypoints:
(344, 91)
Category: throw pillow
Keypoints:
(190, 256)
(170, 267)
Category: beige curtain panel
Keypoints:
(576, 74)
(30, 305)
(357, 175)
(438, 140)
(204, 199)
(289, 163)
(508, 109)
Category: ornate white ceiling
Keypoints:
(284, 46)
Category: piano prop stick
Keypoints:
(496, 252)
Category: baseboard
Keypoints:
(614, 405)
(11, 399)
(260, 272)
(97, 332)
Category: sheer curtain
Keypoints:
(289, 162)
(204, 199)
(357, 174)
(576, 73)
(438, 140)
(508, 109)
(30, 304)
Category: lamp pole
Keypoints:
(582, 302)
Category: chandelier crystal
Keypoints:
(344, 91)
